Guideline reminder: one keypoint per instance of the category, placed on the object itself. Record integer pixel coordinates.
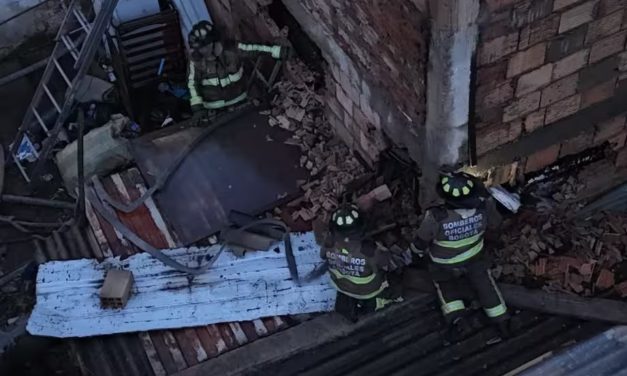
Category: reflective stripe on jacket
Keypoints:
(354, 273)
(455, 235)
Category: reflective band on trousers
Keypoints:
(222, 103)
(448, 307)
(497, 311)
(459, 243)
(275, 51)
(224, 82)
(195, 99)
(500, 309)
(384, 285)
(355, 280)
(461, 257)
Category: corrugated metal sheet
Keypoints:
(162, 352)
(602, 355)
(217, 176)
(190, 13)
(234, 289)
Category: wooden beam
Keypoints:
(594, 309)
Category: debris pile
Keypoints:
(551, 245)
(298, 107)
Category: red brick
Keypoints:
(598, 93)
(534, 120)
(566, 44)
(604, 27)
(344, 100)
(527, 60)
(529, 11)
(489, 116)
(562, 109)
(607, 47)
(621, 158)
(495, 49)
(492, 137)
(495, 30)
(559, 4)
(622, 62)
(577, 16)
(605, 280)
(488, 98)
(610, 6)
(334, 106)
(494, 5)
(621, 289)
(491, 75)
(534, 80)
(608, 129)
(576, 144)
(542, 158)
(559, 90)
(538, 31)
(522, 106)
(570, 64)
(618, 142)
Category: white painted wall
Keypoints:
(44, 20)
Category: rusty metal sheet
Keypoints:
(156, 351)
(243, 166)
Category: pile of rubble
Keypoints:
(550, 245)
(298, 107)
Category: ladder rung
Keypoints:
(67, 80)
(82, 20)
(21, 168)
(40, 120)
(70, 46)
(54, 102)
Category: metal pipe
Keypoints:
(25, 200)
(23, 72)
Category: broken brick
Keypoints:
(621, 289)
(605, 280)
(542, 158)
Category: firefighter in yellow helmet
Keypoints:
(452, 234)
(356, 265)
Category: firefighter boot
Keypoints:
(457, 330)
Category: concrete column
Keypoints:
(454, 34)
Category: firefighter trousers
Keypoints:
(452, 282)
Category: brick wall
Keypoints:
(375, 55)
(550, 71)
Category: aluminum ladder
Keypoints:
(53, 102)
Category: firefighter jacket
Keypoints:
(219, 82)
(454, 236)
(356, 267)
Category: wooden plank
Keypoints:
(216, 337)
(175, 352)
(165, 357)
(235, 289)
(238, 333)
(186, 344)
(207, 342)
(260, 328)
(597, 309)
(249, 330)
(151, 353)
(497, 353)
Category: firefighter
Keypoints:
(453, 236)
(216, 76)
(356, 265)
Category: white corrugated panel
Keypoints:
(234, 289)
(190, 13)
